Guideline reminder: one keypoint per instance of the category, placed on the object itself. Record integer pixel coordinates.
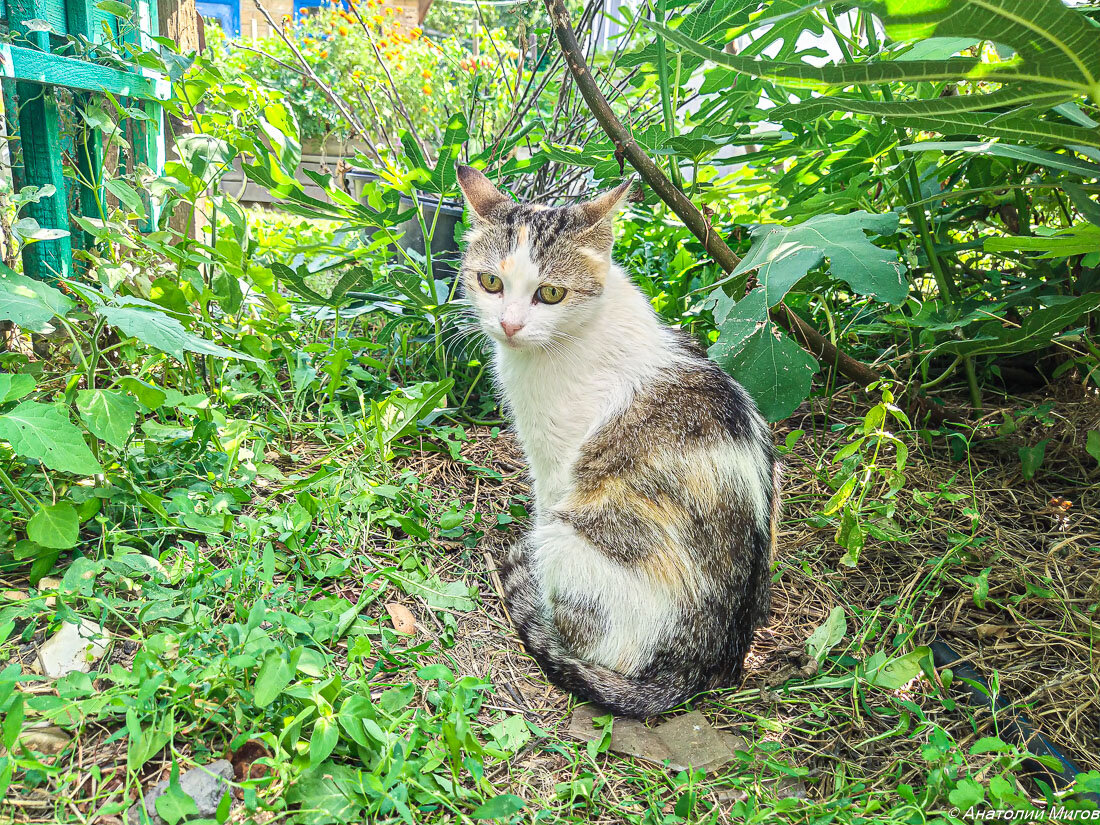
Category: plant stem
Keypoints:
(666, 97)
(677, 201)
(10, 486)
(972, 383)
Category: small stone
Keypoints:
(72, 648)
(48, 739)
(206, 784)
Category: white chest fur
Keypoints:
(559, 397)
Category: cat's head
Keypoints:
(534, 274)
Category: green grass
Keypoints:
(277, 633)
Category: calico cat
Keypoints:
(654, 476)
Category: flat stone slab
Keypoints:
(682, 742)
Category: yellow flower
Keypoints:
(426, 89)
(343, 31)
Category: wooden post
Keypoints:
(40, 140)
(179, 21)
(88, 142)
(148, 135)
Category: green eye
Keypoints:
(490, 282)
(550, 294)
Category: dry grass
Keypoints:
(1037, 632)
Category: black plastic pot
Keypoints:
(444, 245)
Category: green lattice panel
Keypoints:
(34, 66)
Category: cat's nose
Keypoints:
(510, 329)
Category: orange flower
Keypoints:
(323, 54)
(343, 31)
(426, 89)
(382, 43)
(426, 74)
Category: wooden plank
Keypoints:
(80, 16)
(40, 138)
(51, 11)
(32, 66)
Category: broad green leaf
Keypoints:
(271, 680)
(328, 793)
(1085, 203)
(1057, 58)
(1054, 45)
(1031, 459)
(895, 673)
(108, 415)
(163, 332)
(1051, 41)
(45, 433)
(783, 255)
(499, 807)
(827, 635)
(55, 526)
(966, 794)
(148, 395)
(1092, 444)
(116, 7)
(29, 303)
(1018, 128)
(454, 595)
(511, 734)
(1035, 332)
(323, 740)
(126, 196)
(406, 406)
(1028, 154)
(803, 75)
(175, 805)
(1042, 96)
(280, 127)
(990, 744)
(1075, 240)
(774, 370)
(14, 387)
(840, 497)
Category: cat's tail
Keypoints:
(621, 694)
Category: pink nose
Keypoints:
(510, 329)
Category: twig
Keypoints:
(398, 103)
(352, 120)
(626, 147)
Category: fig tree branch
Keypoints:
(626, 147)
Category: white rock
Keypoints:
(73, 647)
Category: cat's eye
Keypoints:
(550, 294)
(490, 282)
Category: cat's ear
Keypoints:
(606, 206)
(480, 194)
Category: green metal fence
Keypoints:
(67, 44)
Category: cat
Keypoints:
(655, 480)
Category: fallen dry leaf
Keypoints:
(402, 618)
